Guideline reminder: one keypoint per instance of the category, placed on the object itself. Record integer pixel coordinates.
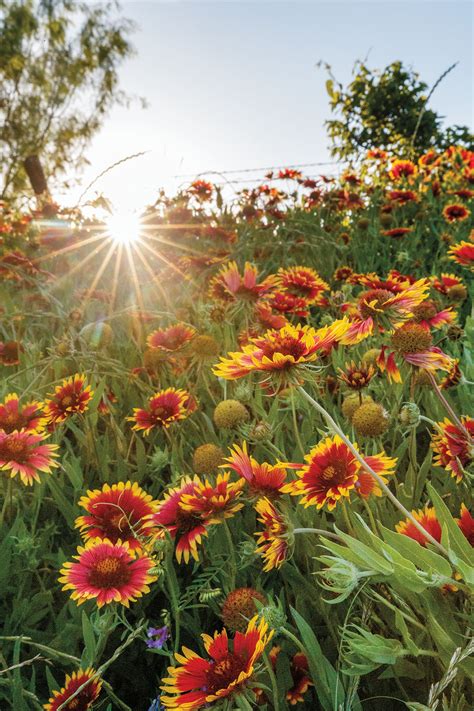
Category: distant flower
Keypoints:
(14, 416)
(272, 542)
(229, 285)
(116, 512)
(172, 338)
(397, 232)
(402, 197)
(462, 253)
(200, 682)
(450, 285)
(402, 169)
(427, 518)
(302, 282)
(10, 352)
(456, 213)
(428, 315)
(453, 449)
(157, 637)
(201, 189)
(71, 397)
(466, 524)
(164, 408)
(25, 453)
(84, 698)
(107, 572)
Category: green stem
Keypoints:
(230, 544)
(447, 406)
(172, 584)
(295, 423)
(273, 682)
(319, 531)
(337, 430)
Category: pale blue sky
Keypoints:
(234, 84)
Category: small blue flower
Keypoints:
(156, 705)
(157, 637)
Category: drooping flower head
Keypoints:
(172, 338)
(262, 479)
(107, 572)
(466, 524)
(332, 472)
(302, 282)
(357, 377)
(427, 518)
(428, 314)
(10, 352)
(229, 285)
(14, 416)
(462, 253)
(164, 408)
(71, 397)
(299, 670)
(200, 682)
(280, 351)
(116, 512)
(214, 502)
(454, 447)
(272, 542)
(187, 527)
(84, 699)
(412, 344)
(25, 453)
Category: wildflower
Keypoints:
(402, 169)
(164, 408)
(200, 682)
(332, 472)
(201, 189)
(171, 339)
(456, 213)
(412, 343)
(207, 458)
(397, 232)
(409, 415)
(205, 347)
(281, 350)
(272, 542)
(14, 416)
(10, 352)
(157, 637)
(25, 453)
(71, 397)
(402, 197)
(262, 479)
(229, 414)
(462, 253)
(302, 282)
(466, 524)
(186, 527)
(352, 402)
(213, 503)
(355, 376)
(427, 518)
(342, 273)
(453, 376)
(454, 447)
(116, 513)
(370, 419)
(299, 670)
(107, 572)
(239, 607)
(84, 699)
(287, 303)
(428, 315)
(228, 285)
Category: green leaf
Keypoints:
(456, 539)
(88, 655)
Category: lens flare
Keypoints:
(124, 227)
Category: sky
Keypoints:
(234, 85)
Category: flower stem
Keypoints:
(319, 531)
(295, 423)
(337, 430)
(447, 406)
(273, 682)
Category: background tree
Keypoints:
(386, 109)
(59, 64)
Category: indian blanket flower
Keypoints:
(214, 502)
(402, 197)
(412, 344)
(172, 338)
(428, 314)
(164, 408)
(84, 699)
(239, 607)
(71, 397)
(451, 286)
(272, 542)
(228, 669)
(332, 471)
(280, 351)
(116, 512)
(287, 303)
(229, 285)
(262, 479)
(299, 670)
(302, 282)
(25, 453)
(201, 189)
(453, 446)
(357, 377)
(14, 416)
(466, 524)
(10, 352)
(456, 213)
(462, 253)
(427, 518)
(402, 169)
(187, 528)
(397, 232)
(107, 572)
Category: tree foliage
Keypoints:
(386, 109)
(59, 64)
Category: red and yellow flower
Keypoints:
(402, 197)
(214, 502)
(402, 169)
(412, 343)
(462, 253)
(450, 285)
(453, 446)
(86, 678)
(172, 338)
(229, 668)
(71, 397)
(10, 352)
(396, 232)
(428, 315)
(107, 572)
(299, 670)
(302, 282)
(272, 542)
(164, 408)
(262, 479)
(357, 377)
(332, 472)
(427, 518)
(25, 453)
(281, 350)
(456, 213)
(466, 524)
(117, 513)
(14, 416)
(229, 285)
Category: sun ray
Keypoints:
(99, 273)
(154, 277)
(69, 248)
(165, 260)
(81, 264)
(135, 281)
(115, 279)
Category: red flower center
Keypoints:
(162, 413)
(286, 345)
(12, 449)
(186, 521)
(224, 672)
(379, 296)
(13, 421)
(109, 572)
